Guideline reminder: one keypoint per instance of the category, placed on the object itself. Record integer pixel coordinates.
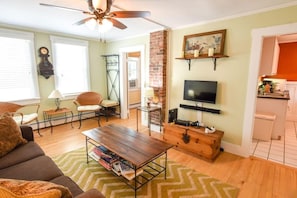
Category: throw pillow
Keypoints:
(5, 193)
(34, 189)
(10, 134)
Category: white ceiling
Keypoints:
(171, 14)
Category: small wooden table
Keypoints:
(48, 115)
(149, 110)
(137, 148)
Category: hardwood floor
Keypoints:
(255, 177)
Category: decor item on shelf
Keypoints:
(196, 53)
(210, 51)
(202, 42)
(149, 94)
(56, 94)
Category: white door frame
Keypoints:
(257, 38)
(124, 76)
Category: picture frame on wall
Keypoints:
(204, 44)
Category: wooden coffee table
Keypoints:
(139, 149)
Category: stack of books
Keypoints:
(111, 161)
(105, 157)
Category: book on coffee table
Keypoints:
(130, 176)
(126, 167)
(116, 168)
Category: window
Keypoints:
(18, 71)
(133, 72)
(70, 61)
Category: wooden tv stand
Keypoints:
(194, 140)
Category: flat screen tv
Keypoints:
(200, 91)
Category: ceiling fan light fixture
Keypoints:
(105, 25)
(91, 24)
(100, 4)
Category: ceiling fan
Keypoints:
(99, 11)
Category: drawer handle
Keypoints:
(186, 138)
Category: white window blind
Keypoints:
(70, 58)
(18, 72)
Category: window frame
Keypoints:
(28, 36)
(70, 41)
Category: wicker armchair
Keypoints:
(88, 102)
(20, 113)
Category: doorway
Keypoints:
(257, 38)
(124, 87)
(134, 79)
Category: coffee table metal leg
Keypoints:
(165, 176)
(135, 185)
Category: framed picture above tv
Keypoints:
(205, 44)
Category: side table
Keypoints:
(149, 110)
(48, 115)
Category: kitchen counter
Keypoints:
(274, 96)
(276, 105)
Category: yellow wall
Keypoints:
(97, 71)
(231, 73)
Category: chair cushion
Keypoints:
(88, 108)
(109, 103)
(26, 118)
(10, 135)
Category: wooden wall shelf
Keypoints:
(214, 58)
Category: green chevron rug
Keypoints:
(181, 181)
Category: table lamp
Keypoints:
(149, 94)
(56, 94)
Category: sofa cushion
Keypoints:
(39, 168)
(69, 183)
(10, 134)
(20, 154)
(36, 188)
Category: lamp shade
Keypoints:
(149, 92)
(55, 94)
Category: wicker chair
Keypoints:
(20, 113)
(88, 102)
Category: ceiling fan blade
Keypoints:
(84, 21)
(62, 7)
(130, 14)
(117, 24)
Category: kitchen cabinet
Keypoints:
(270, 55)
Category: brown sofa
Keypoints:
(29, 162)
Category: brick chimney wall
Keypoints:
(157, 70)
